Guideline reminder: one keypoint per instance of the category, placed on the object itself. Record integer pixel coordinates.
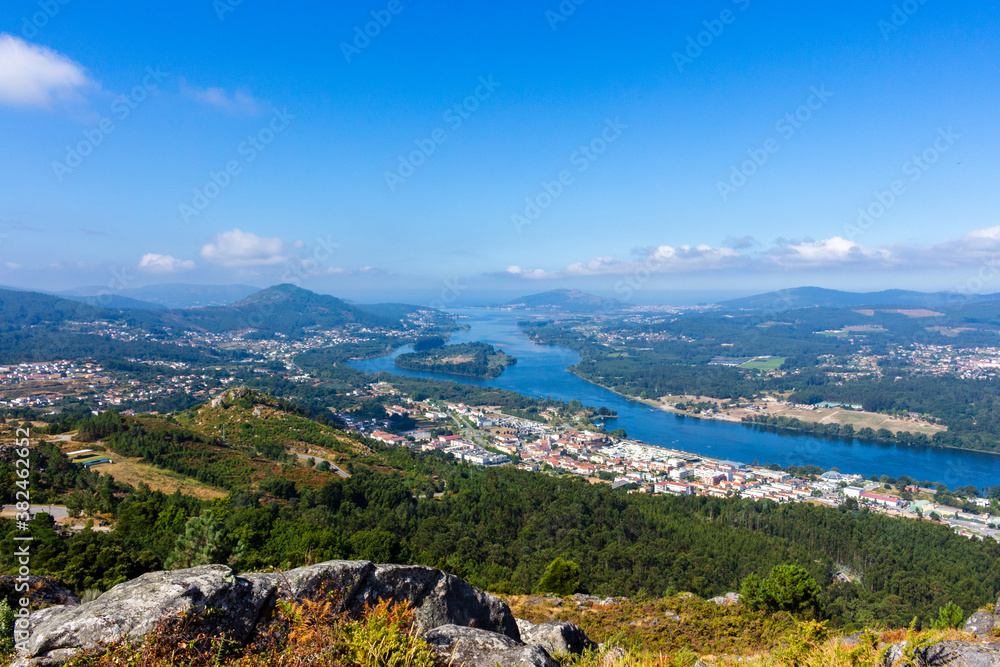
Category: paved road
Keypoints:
(57, 511)
(335, 468)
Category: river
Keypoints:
(541, 372)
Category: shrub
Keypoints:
(562, 577)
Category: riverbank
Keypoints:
(779, 429)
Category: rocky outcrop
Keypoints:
(134, 609)
(981, 624)
(952, 653)
(556, 637)
(727, 599)
(231, 606)
(437, 597)
(471, 647)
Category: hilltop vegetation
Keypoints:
(478, 360)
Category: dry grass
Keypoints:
(131, 471)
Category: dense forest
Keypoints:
(477, 360)
(632, 545)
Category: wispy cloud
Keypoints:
(746, 254)
(237, 103)
(152, 262)
(36, 76)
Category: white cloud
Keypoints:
(238, 103)
(151, 262)
(660, 259)
(36, 76)
(836, 252)
(237, 248)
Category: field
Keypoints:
(838, 416)
(772, 364)
(130, 471)
(858, 420)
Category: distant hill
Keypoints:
(117, 302)
(19, 308)
(569, 300)
(173, 295)
(285, 309)
(812, 297)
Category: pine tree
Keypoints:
(201, 543)
(949, 616)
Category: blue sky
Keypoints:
(625, 148)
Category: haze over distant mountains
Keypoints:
(570, 300)
(166, 295)
(818, 297)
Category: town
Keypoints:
(487, 437)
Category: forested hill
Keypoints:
(498, 528)
(478, 360)
(284, 309)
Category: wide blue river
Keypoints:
(541, 372)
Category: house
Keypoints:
(886, 501)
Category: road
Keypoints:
(335, 468)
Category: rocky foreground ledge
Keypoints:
(464, 625)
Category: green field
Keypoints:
(772, 364)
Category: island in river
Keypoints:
(476, 360)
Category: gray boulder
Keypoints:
(558, 637)
(133, 609)
(523, 626)
(952, 653)
(460, 646)
(438, 598)
(727, 599)
(981, 624)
